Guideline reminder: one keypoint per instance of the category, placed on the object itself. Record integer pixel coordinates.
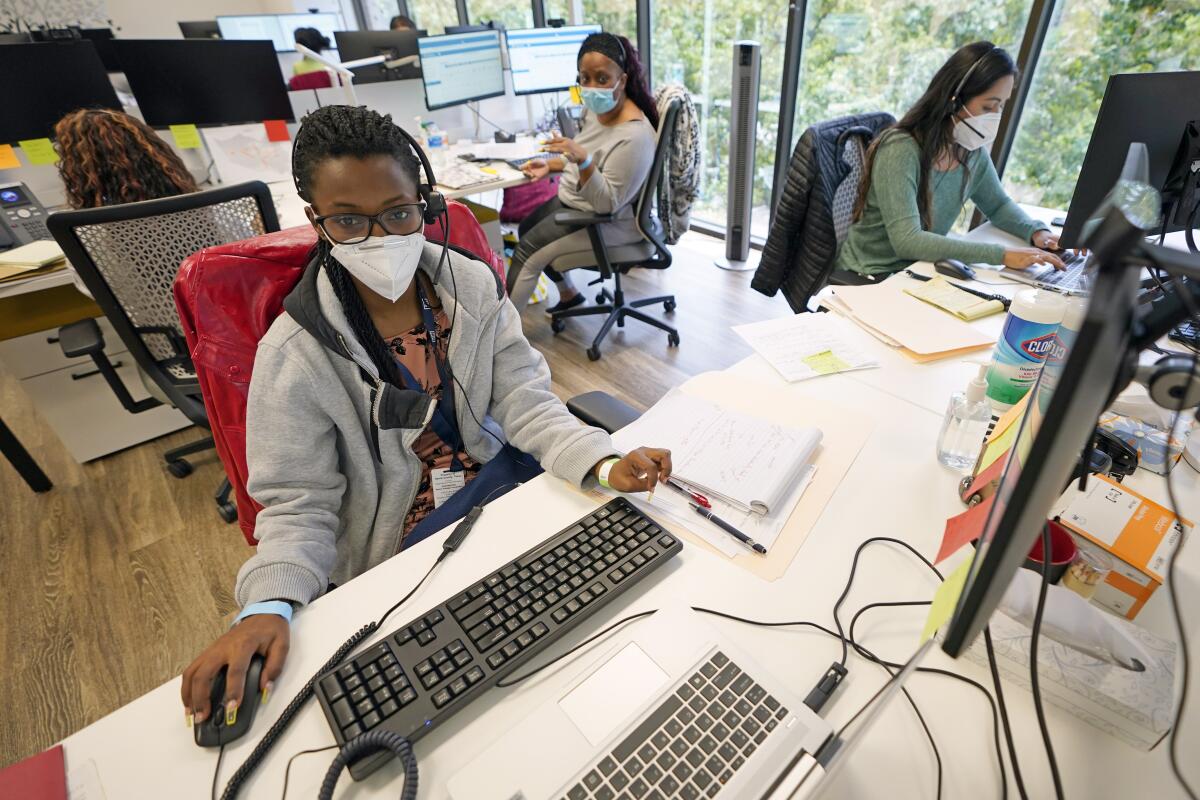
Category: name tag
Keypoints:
(445, 483)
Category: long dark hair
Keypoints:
(312, 38)
(621, 52)
(967, 74)
(357, 131)
(108, 157)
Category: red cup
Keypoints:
(1062, 552)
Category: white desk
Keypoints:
(895, 487)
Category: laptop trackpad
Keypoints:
(612, 693)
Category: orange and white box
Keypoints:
(1139, 534)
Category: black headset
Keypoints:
(955, 103)
(435, 202)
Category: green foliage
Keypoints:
(433, 15)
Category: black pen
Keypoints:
(732, 531)
(997, 297)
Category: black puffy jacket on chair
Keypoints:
(815, 207)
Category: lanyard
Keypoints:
(445, 421)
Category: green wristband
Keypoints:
(606, 468)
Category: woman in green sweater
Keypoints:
(920, 172)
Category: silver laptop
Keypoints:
(1072, 280)
(667, 708)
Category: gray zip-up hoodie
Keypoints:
(334, 499)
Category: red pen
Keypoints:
(695, 497)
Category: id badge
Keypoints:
(445, 483)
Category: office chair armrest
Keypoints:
(581, 219)
(82, 338)
(602, 410)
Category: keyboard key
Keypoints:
(633, 766)
(679, 747)
(701, 778)
(434, 617)
(358, 695)
(665, 760)
(342, 712)
(720, 732)
(619, 781)
(331, 688)
(647, 753)
(756, 694)
(742, 707)
(462, 658)
(605, 793)
(708, 744)
(365, 707)
(455, 603)
(669, 786)
(441, 697)
(371, 720)
(726, 675)
(695, 757)
(742, 683)
(685, 692)
(425, 637)
(496, 659)
(593, 780)
(474, 675)
(375, 684)
(762, 714)
(691, 734)
(539, 630)
(682, 771)
(772, 703)
(659, 740)
(491, 640)
(688, 792)
(673, 728)
(406, 697)
(607, 766)
(652, 774)
(638, 789)
(352, 682)
(704, 722)
(352, 730)
(577, 792)
(737, 762)
(709, 692)
(369, 671)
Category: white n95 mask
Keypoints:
(976, 132)
(385, 264)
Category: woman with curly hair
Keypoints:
(107, 157)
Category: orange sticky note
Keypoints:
(963, 528)
(8, 157)
(39, 151)
(276, 130)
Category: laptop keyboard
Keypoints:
(692, 744)
(431, 668)
(1070, 277)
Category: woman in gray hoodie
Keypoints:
(397, 369)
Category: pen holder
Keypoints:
(1062, 552)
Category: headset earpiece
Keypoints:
(435, 204)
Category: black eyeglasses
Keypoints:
(345, 228)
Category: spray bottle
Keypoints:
(966, 422)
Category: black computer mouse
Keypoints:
(953, 268)
(213, 732)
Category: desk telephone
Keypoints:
(22, 218)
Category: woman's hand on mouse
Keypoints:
(640, 470)
(1025, 257)
(1046, 240)
(265, 634)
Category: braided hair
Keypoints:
(358, 132)
(108, 157)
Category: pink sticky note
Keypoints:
(964, 528)
(276, 130)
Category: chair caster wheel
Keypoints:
(180, 469)
(668, 306)
(600, 298)
(593, 353)
(673, 339)
(228, 512)
(557, 325)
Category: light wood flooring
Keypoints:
(115, 579)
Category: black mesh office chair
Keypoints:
(616, 260)
(127, 255)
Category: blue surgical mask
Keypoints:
(599, 101)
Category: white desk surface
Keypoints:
(506, 176)
(894, 488)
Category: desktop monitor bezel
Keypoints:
(288, 36)
(85, 60)
(215, 27)
(462, 101)
(375, 73)
(592, 29)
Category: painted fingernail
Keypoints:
(187, 717)
(266, 692)
(198, 716)
(231, 712)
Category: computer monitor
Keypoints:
(461, 67)
(1079, 379)
(56, 77)
(1150, 107)
(353, 45)
(545, 59)
(467, 28)
(102, 38)
(279, 28)
(177, 81)
(200, 29)
(16, 38)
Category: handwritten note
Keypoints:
(39, 151)
(807, 345)
(945, 295)
(8, 157)
(945, 599)
(186, 136)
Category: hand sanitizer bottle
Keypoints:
(965, 425)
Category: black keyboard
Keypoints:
(1186, 333)
(691, 745)
(441, 661)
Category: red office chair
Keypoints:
(227, 298)
(317, 79)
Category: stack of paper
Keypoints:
(920, 331)
(753, 472)
(29, 257)
(807, 345)
(943, 294)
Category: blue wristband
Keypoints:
(587, 162)
(280, 607)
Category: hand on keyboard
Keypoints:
(1025, 257)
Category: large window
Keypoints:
(614, 16)
(693, 45)
(379, 13)
(433, 15)
(509, 13)
(1089, 40)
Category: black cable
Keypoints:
(475, 109)
(413, 590)
(1008, 736)
(1033, 665)
(514, 681)
(370, 742)
(217, 771)
(287, 771)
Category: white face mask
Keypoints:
(976, 132)
(385, 264)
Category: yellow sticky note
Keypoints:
(8, 157)
(186, 136)
(945, 599)
(39, 151)
(576, 97)
(998, 446)
(825, 362)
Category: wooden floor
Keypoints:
(114, 580)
